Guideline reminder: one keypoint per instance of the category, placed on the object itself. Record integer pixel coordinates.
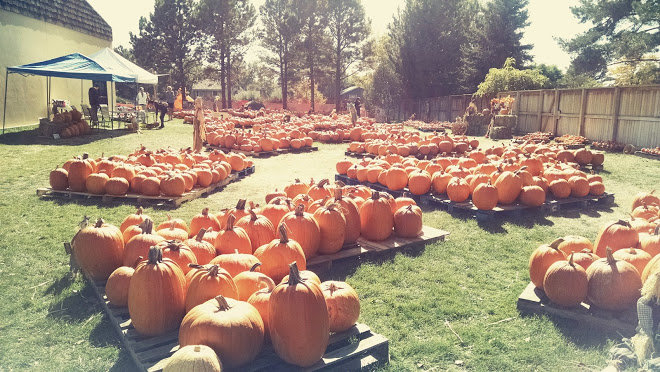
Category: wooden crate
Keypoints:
(141, 200)
(352, 350)
(533, 301)
(366, 249)
(647, 156)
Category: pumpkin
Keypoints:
(95, 183)
(573, 243)
(248, 282)
(139, 244)
(485, 196)
(79, 170)
(261, 300)
(303, 228)
(276, 256)
(584, 258)
(566, 283)
(116, 288)
(258, 228)
(396, 178)
(583, 156)
(650, 243)
(276, 209)
(579, 186)
(204, 251)
(440, 181)
(59, 179)
(376, 218)
(275, 194)
(178, 223)
(351, 213)
(613, 284)
(408, 222)
(232, 239)
(98, 249)
(178, 252)
(596, 188)
(319, 190)
(616, 235)
(641, 226)
(296, 188)
(235, 263)
(117, 186)
(206, 282)
(156, 295)
(541, 259)
(298, 321)
(402, 201)
(509, 185)
(636, 257)
(419, 182)
(172, 184)
(239, 211)
(203, 220)
(532, 196)
(343, 305)
(458, 190)
(645, 198)
(150, 186)
(303, 199)
(560, 189)
(305, 275)
(645, 212)
(198, 358)
(332, 225)
(233, 329)
(173, 232)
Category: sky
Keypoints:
(548, 20)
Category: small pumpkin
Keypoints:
(140, 244)
(206, 282)
(278, 254)
(198, 358)
(248, 282)
(232, 239)
(179, 252)
(408, 222)
(235, 263)
(116, 288)
(133, 219)
(485, 196)
(376, 218)
(566, 283)
(204, 220)
(541, 259)
(59, 179)
(343, 305)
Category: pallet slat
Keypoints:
(647, 156)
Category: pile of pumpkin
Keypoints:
(228, 283)
(610, 272)
(257, 141)
(655, 151)
(165, 171)
(76, 126)
(406, 143)
(499, 175)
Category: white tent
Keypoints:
(115, 63)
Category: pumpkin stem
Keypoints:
(375, 195)
(294, 274)
(172, 224)
(555, 243)
(140, 210)
(300, 210)
(241, 204)
(213, 270)
(283, 235)
(623, 222)
(230, 222)
(99, 223)
(205, 212)
(264, 280)
(338, 193)
(137, 261)
(610, 257)
(222, 303)
(570, 260)
(254, 267)
(155, 255)
(197, 349)
(173, 245)
(200, 235)
(322, 183)
(147, 226)
(253, 216)
(332, 288)
(85, 156)
(657, 230)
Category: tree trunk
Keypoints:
(311, 81)
(338, 70)
(222, 77)
(228, 78)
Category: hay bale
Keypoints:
(508, 121)
(501, 133)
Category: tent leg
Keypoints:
(81, 94)
(4, 109)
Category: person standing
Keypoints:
(94, 103)
(141, 104)
(357, 106)
(163, 107)
(169, 98)
(199, 127)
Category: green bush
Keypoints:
(509, 78)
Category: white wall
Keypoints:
(26, 40)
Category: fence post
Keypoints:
(517, 109)
(556, 112)
(539, 110)
(583, 109)
(615, 116)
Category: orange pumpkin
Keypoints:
(303, 228)
(204, 251)
(258, 228)
(408, 222)
(206, 282)
(98, 249)
(376, 218)
(343, 305)
(613, 284)
(276, 256)
(541, 259)
(332, 225)
(203, 220)
(485, 196)
(248, 282)
(566, 283)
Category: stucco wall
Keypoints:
(27, 40)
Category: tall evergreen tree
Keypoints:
(313, 18)
(279, 34)
(349, 28)
(623, 31)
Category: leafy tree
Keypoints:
(509, 78)
(279, 34)
(164, 41)
(637, 72)
(552, 72)
(349, 29)
(313, 18)
(302, 91)
(382, 85)
(623, 31)
(573, 79)
(125, 52)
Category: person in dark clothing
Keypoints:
(163, 108)
(94, 102)
(357, 106)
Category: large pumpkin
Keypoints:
(79, 170)
(376, 218)
(179, 252)
(95, 183)
(458, 190)
(232, 238)
(320, 190)
(303, 228)
(485, 196)
(616, 235)
(298, 321)
(98, 249)
(613, 284)
(408, 222)
(651, 243)
(532, 196)
(508, 185)
(645, 198)
(156, 295)
(541, 259)
(233, 329)
(343, 305)
(258, 228)
(332, 224)
(276, 209)
(235, 263)
(204, 251)
(566, 283)
(276, 256)
(351, 213)
(206, 282)
(139, 244)
(203, 220)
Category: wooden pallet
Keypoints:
(367, 249)
(141, 200)
(352, 350)
(359, 155)
(533, 301)
(301, 150)
(647, 156)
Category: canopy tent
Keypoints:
(115, 63)
(71, 66)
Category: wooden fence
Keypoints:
(446, 108)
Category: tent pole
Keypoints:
(81, 94)
(4, 109)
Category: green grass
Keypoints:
(469, 283)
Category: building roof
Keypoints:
(76, 15)
(349, 90)
(206, 85)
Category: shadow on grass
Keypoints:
(76, 307)
(58, 286)
(30, 137)
(104, 335)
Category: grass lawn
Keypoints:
(468, 285)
